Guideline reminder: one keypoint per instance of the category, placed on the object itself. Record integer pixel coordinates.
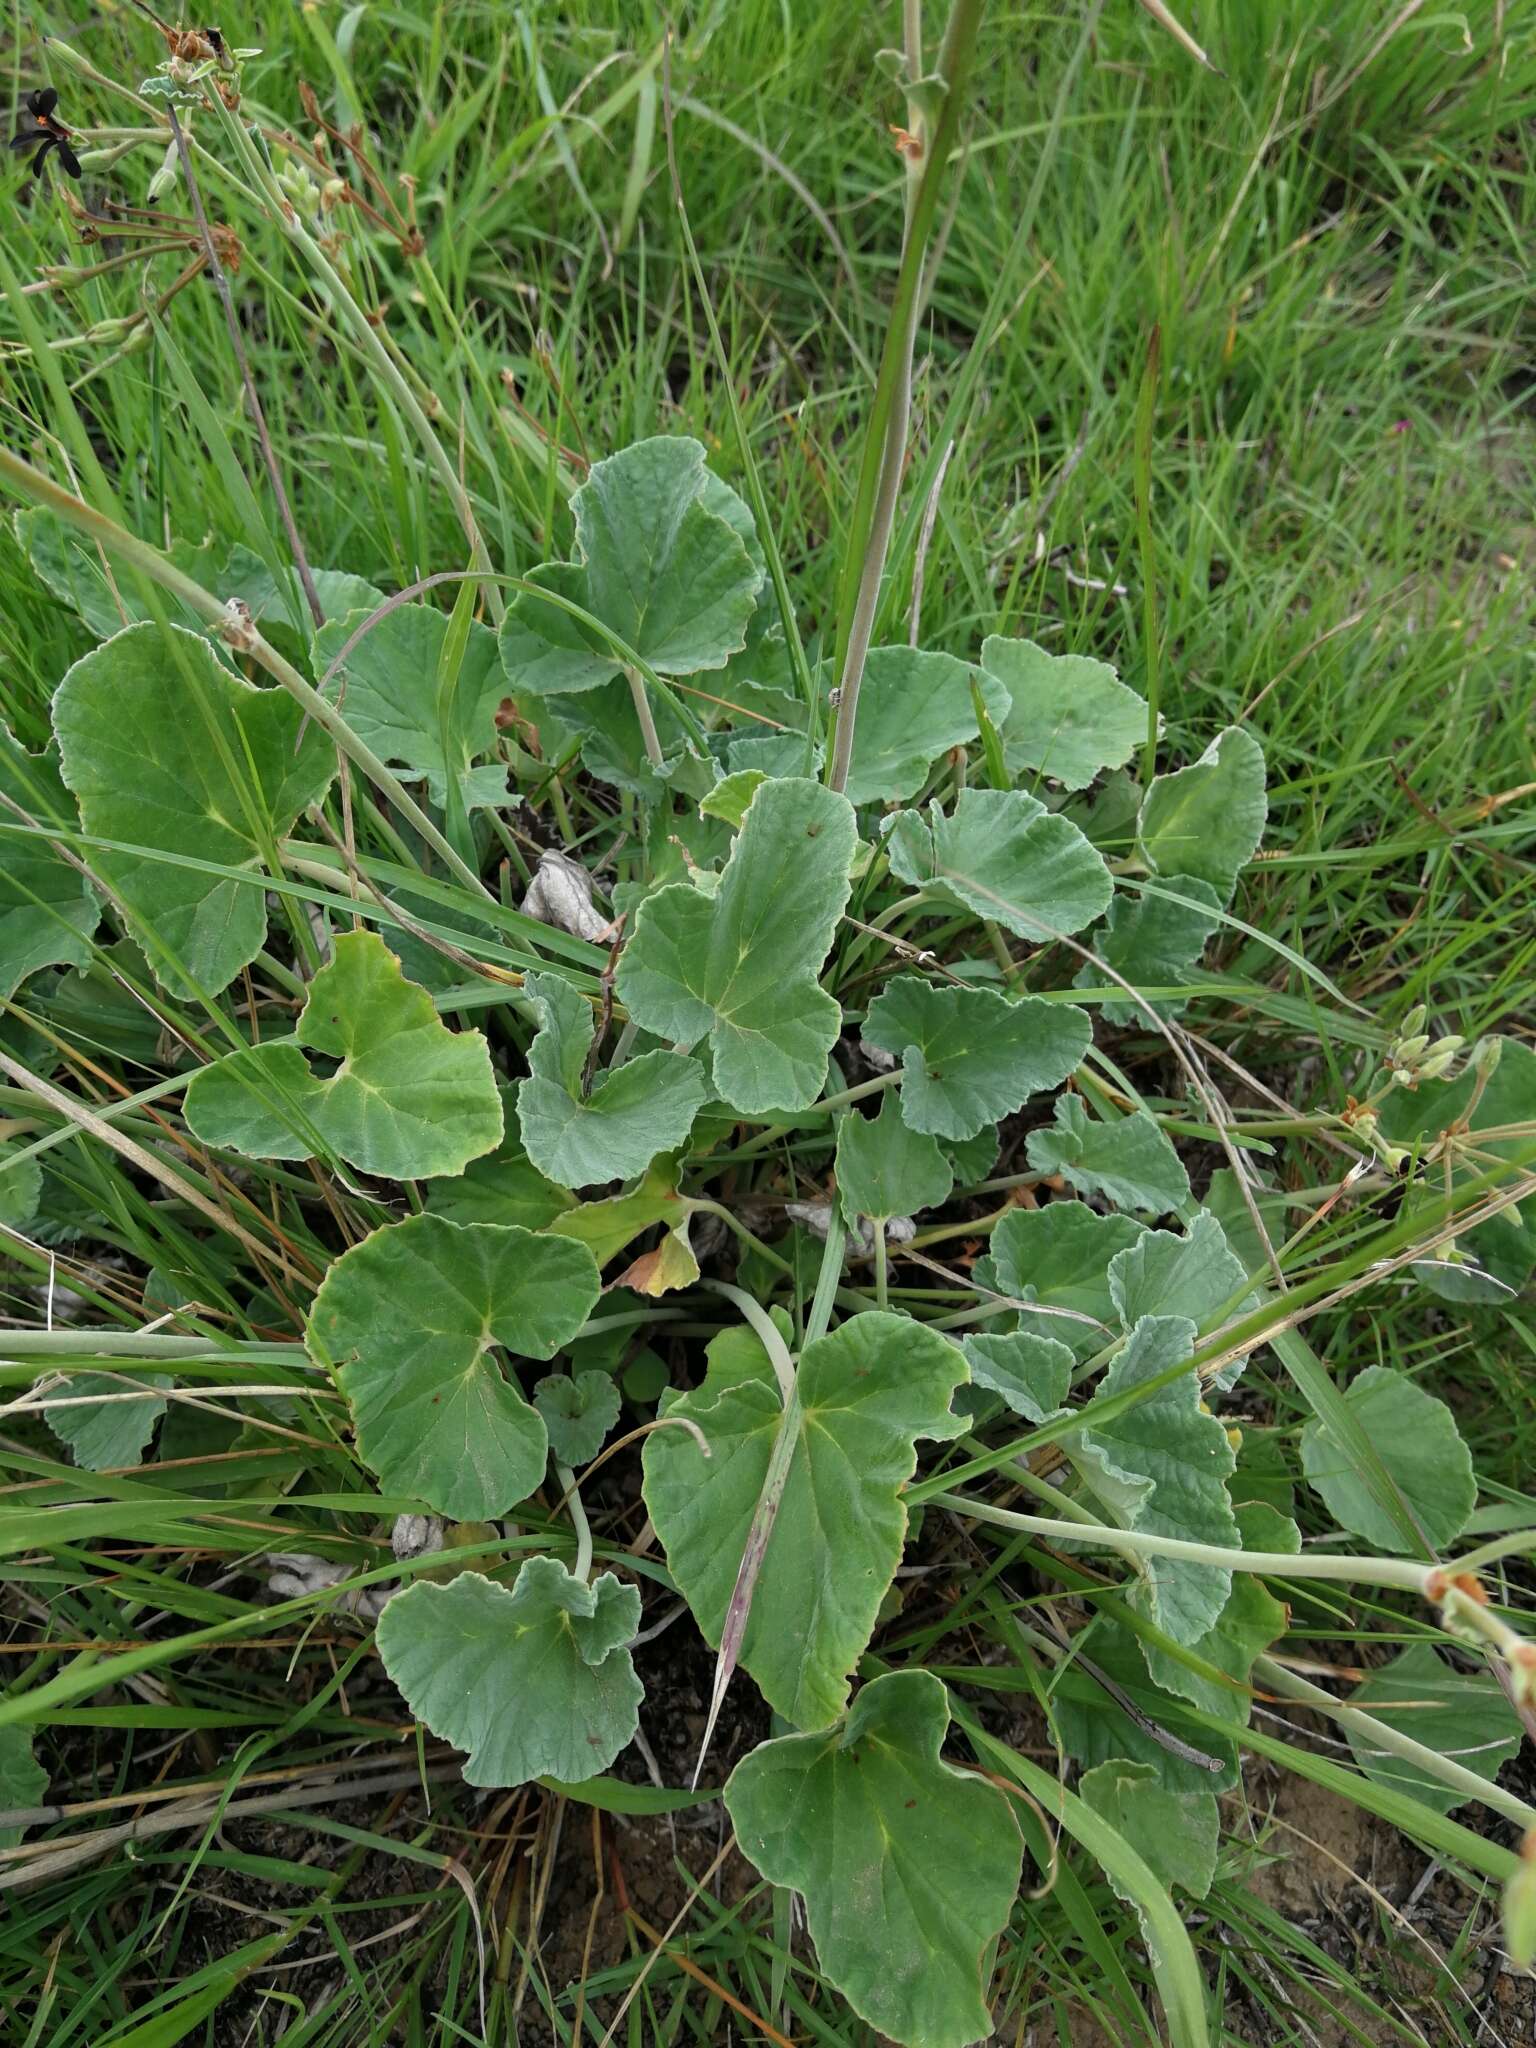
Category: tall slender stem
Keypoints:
(885, 447)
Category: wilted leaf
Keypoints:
(606, 1227)
(884, 1169)
(1130, 1162)
(578, 1409)
(1067, 716)
(740, 966)
(410, 1099)
(1003, 855)
(1415, 1437)
(409, 1318)
(868, 1393)
(1205, 821)
(633, 1112)
(908, 1867)
(969, 1057)
(166, 749)
(533, 1681)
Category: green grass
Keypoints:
(1332, 238)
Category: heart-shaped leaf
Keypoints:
(417, 716)
(1206, 820)
(1416, 1439)
(867, 1394)
(908, 1867)
(410, 1099)
(1066, 716)
(1003, 855)
(658, 565)
(968, 1056)
(166, 749)
(886, 1170)
(48, 910)
(408, 1319)
(533, 1681)
(740, 965)
(634, 1112)
(578, 1409)
(1130, 1162)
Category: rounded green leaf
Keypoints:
(1174, 1832)
(1463, 1715)
(533, 1681)
(408, 1319)
(631, 1113)
(428, 724)
(503, 1186)
(410, 1099)
(1068, 717)
(1151, 941)
(23, 1781)
(884, 1169)
(912, 708)
(1033, 1375)
(969, 1056)
(658, 565)
(109, 1433)
(908, 1867)
(740, 965)
(867, 1394)
(1131, 1162)
(1206, 820)
(1415, 1438)
(1163, 1465)
(578, 1409)
(1003, 855)
(48, 910)
(168, 750)
(1059, 1257)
